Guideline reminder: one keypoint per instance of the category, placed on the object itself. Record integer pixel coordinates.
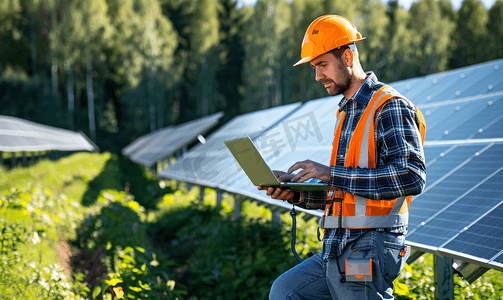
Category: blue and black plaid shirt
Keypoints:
(400, 167)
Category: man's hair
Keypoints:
(337, 52)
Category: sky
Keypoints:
(403, 3)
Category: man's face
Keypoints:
(332, 72)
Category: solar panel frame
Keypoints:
(140, 142)
(170, 141)
(17, 135)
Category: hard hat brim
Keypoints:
(303, 61)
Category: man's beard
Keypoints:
(336, 89)
(339, 88)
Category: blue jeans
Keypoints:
(316, 279)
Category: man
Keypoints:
(377, 165)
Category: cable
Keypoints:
(339, 216)
(293, 213)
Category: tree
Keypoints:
(194, 92)
(471, 34)
(80, 38)
(141, 57)
(303, 84)
(230, 71)
(399, 51)
(495, 30)
(268, 55)
(372, 22)
(430, 31)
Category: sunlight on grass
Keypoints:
(41, 205)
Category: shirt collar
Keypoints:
(362, 95)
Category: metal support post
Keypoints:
(25, 159)
(220, 195)
(13, 160)
(201, 194)
(414, 254)
(1, 158)
(33, 158)
(237, 207)
(444, 280)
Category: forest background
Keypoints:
(119, 69)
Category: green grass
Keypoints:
(41, 203)
(70, 175)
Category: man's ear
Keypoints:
(348, 56)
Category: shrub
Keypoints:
(29, 223)
(113, 252)
(220, 258)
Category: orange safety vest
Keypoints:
(358, 212)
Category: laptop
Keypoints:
(257, 170)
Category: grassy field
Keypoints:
(96, 226)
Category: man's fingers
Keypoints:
(300, 165)
(285, 178)
(270, 191)
(302, 176)
(286, 195)
(276, 193)
(295, 167)
(278, 173)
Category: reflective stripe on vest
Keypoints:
(358, 212)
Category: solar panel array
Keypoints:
(204, 163)
(18, 135)
(463, 110)
(459, 214)
(165, 142)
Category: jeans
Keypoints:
(316, 279)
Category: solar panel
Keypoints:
(437, 196)
(468, 78)
(461, 120)
(406, 87)
(211, 162)
(481, 241)
(431, 85)
(459, 199)
(22, 135)
(488, 118)
(487, 83)
(169, 141)
(432, 154)
(144, 140)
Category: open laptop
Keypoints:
(254, 165)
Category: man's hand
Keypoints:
(279, 193)
(311, 170)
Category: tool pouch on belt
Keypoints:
(359, 269)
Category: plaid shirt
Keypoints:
(400, 168)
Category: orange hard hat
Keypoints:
(327, 33)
